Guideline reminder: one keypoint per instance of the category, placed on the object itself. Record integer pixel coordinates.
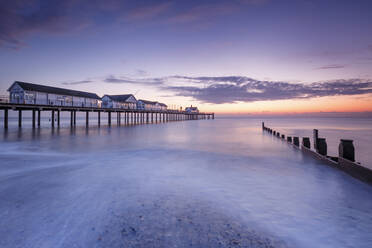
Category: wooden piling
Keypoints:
(38, 117)
(19, 118)
(87, 119)
(33, 118)
(58, 117)
(52, 118)
(5, 118)
(71, 118)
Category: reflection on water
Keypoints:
(220, 182)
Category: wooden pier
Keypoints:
(127, 116)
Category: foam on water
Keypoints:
(215, 183)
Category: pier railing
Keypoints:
(4, 99)
(345, 160)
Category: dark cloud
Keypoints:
(243, 89)
(327, 67)
(22, 18)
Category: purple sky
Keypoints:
(185, 51)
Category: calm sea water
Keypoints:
(207, 183)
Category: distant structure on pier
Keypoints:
(150, 105)
(119, 101)
(27, 93)
(192, 110)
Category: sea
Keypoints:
(204, 183)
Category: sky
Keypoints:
(236, 56)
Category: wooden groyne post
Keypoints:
(345, 160)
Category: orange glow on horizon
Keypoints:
(360, 103)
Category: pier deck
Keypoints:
(129, 115)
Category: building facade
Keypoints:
(192, 110)
(27, 93)
(119, 101)
(150, 105)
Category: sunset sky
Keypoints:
(236, 56)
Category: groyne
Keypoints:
(345, 160)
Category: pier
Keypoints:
(125, 116)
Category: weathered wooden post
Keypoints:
(109, 118)
(99, 118)
(263, 125)
(296, 141)
(322, 146)
(118, 118)
(306, 142)
(33, 118)
(315, 137)
(74, 117)
(289, 139)
(283, 136)
(274, 133)
(5, 118)
(277, 134)
(346, 149)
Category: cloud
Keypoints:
(334, 66)
(147, 12)
(125, 80)
(78, 82)
(234, 89)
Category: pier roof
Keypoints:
(54, 90)
(120, 98)
(147, 102)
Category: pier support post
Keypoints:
(58, 117)
(118, 118)
(346, 150)
(109, 118)
(38, 117)
(87, 119)
(33, 118)
(19, 118)
(71, 118)
(52, 118)
(5, 118)
(99, 118)
(74, 117)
